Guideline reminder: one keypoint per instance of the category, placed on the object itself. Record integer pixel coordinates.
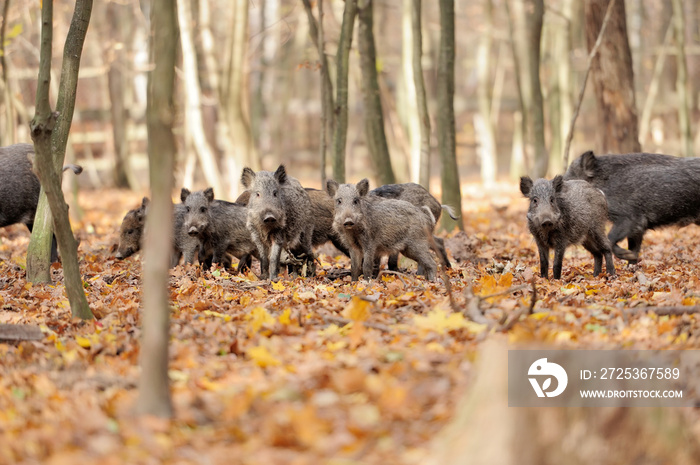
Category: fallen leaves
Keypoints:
(306, 370)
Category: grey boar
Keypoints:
(131, 233)
(19, 188)
(218, 226)
(418, 196)
(279, 216)
(564, 213)
(322, 208)
(644, 191)
(372, 227)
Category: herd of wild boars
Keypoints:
(279, 222)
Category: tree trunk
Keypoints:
(39, 251)
(684, 98)
(613, 79)
(193, 112)
(526, 17)
(340, 134)
(154, 390)
(408, 112)
(482, 120)
(316, 32)
(119, 22)
(240, 137)
(421, 99)
(7, 92)
(451, 194)
(42, 130)
(207, 72)
(564, 78)
(374, 118)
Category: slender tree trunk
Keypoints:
(447, 143)
(42, 129)
(526, 17)
(613, 79)
(7, 96)
(316, 32)
(374, 118)
(154, 390)
(482, 120)
(654, 86)
(207, 71)
(39, 252)
(421, 99)
(340, 134)
(193, 113)
(119, 24)
(564, 72)
(682, 80)
(411, 118)
(233, 101)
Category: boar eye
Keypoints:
(257, 194)
(130, 231)
(534, 200)
(274, 193)
(551, 200)
(339, 201)
(187, 209)
(355, 201)
(203, 209)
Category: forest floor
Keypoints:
(307, 371)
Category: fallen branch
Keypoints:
(522, 311)
(344, 321)
(395, 273)
(473, 312)
(664, 311)
(506, 292)
(16, 333)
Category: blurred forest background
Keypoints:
(249, 86)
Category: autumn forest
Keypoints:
(197, 196)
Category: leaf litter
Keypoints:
(308, 370)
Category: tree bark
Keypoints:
(154, 390)
(482, 120)
(408, 112)
(193, 112)
(243, 151)
(526, 17)
(39, 251)
(451, 193)
(374, 117)
(119, 24)
(316, 32)
(421, 99)
(7, 94)
(42, 130)
(613, 79)
(340, 134)
(684, 98)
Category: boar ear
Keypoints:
(281, 174)
(247, 177)
(144, 202)
(243, 198)
(558, 183)
(209, 194)
(525, 185)
(331, 187)
(589, 163)
(363, 187)
(184, 193)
